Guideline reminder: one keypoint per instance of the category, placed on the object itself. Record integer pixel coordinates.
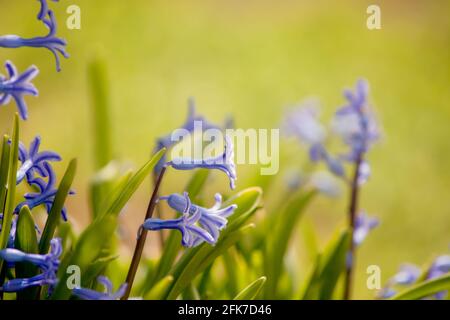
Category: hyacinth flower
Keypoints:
(89, 294)
(48, 263)
(43, 12)
(16, 86)
(406, 275)
(223, 162)
(211, 219)
(50, 41)
(439, 267)
(187, 224)
(46, 194)
(363, 225)
(33, 160)
(189, 125)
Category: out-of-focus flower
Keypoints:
(356, 122)
(89, 294)
(16, 86)
(363, 225)
(48, 263)
(326, 183)
(46, 194)
(406, 275)
(439, 267)
(50, 41)
(212, 220)
(224, 162)
(33, 160)
(189, 126)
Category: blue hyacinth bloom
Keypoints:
(43, 12)
(197, 224)
(189, 126)
(356, 123)
(33, 160)
(16, 86)
(211, 219)
(439, 267)
(48, 263)
(89, 294)
(224, 162)
(363, 225)
(406, 275)
(50, 41)
(46, 194)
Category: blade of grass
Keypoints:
(54, 216)
(251, 291)
(4, 166)
(425, 289)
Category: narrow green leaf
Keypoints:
(26, 241)
(101, 115)
(4, 166)
(425, 289)
(333, 264)
(54, 215)
(95, 269)
(10, 197)
(251, 291)
(279, 240)
(311, 290)
(159, 290)
(132, 184)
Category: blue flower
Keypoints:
(89, 294)
(187, 224)
(439, 267)
(43, 12)
(363, 225)
(50, 41)
(16, 86)
(46, 194)
(407, 274)
(224, 162)
(211, 219)
(189, 126)
(356, 123)
(48, 263)
(33, 160)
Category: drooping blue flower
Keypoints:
(50, 41)
(356, 123)
(223, 162)
(89, 294)
(192, 122)
(46, 194)
(363, 225)
(48, 263)
(187, 224)
(33, 160)
(212, 219)
(43, 12)
(16, 86)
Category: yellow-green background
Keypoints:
(251, 59)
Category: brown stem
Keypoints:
(353, 208)
(159, 214)
(141, 238)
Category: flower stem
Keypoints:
(142, 237)
(353, 208)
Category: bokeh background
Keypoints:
(251, 59)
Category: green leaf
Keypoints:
(95, 269)
(26, 241)
(10, 197)
(4, 166)
(100, 108)
(90, 245)
(159, 290)
(425, 289)
(333, 264)
(54, 215)
(312, 285)
(280, 237)
(122, 197)
(251, 291)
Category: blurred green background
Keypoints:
(251, 59)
